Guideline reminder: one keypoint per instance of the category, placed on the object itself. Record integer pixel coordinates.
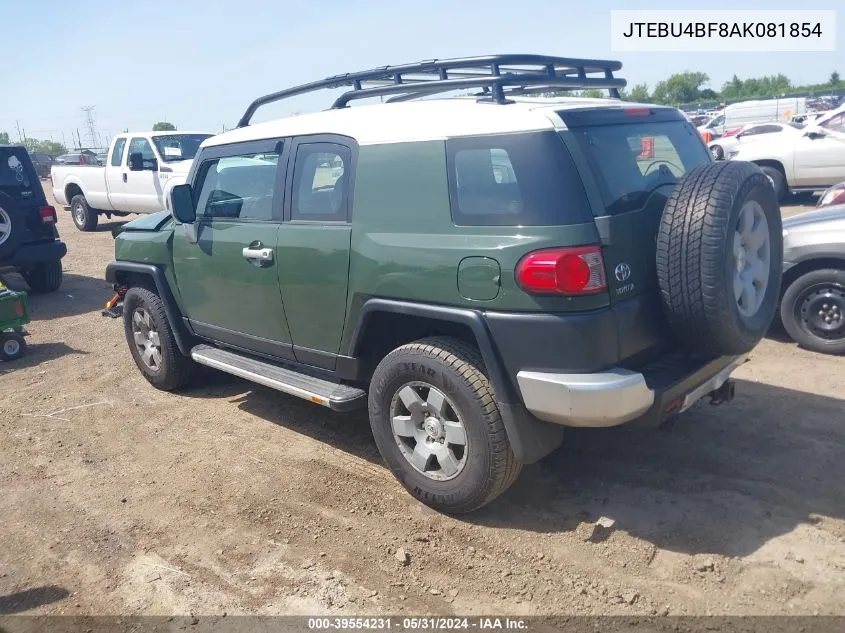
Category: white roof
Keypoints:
(423, 120)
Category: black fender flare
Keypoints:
(530, 439)
(180, 332)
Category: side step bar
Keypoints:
(333, 395)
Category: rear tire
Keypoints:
(436, 424)
(813, 311)
(84, 217)
(717, 152)
(778, 181)
(45, 277)
(152, 343)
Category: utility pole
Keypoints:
(63, 140)
(78, 139)
(21, 135)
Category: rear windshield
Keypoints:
(631, 160)
(17, 177)
(525, 179)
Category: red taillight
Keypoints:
(637, 111)
(19, 308)
(48, 215)
(568, 271)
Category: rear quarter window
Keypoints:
(525, 179)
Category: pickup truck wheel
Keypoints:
(44, 277)
(152, 343)
(11, 225)
(436, 424)
(84, 217)
(717, 152)
(12, 346)
(778, 181)
(813, 311)
(719, 258)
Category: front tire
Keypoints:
(152, 343)
(813, 311)
(44, 277)
(778, 181)
(436, 424)
(717, 152)
(84, 217)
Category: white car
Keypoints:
(812, 160)
(751, 133)
(140, 170)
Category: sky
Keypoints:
(199, 64)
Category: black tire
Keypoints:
(12, 346)
(12, 225)
(44, 277)
(456, 369)
(171, 370)
(84, 217)
(696, 262)
(777, 180)
(813, 292)
(717, 152)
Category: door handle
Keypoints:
(260, 255)
(124, 176)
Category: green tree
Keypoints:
(4, 138)
(163, 126)
(53, 148)
(639, 93)
(593, 93)
(834, 79)
(680, 88)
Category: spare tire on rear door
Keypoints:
(719, 257)
(12, 225)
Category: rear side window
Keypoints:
(321, 183)
(524, 179)
(117, 152)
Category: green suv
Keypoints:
(480, 272)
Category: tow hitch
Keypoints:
(114, 306)
(723, 394)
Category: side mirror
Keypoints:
(136, 161)
(182, 204)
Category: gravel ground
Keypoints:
(229, 497)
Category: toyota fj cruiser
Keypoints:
(29, 241)
(480, 272)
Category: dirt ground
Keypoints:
(229, 497)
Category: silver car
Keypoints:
(813, 297)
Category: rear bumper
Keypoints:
(618, 396)
(35, 253)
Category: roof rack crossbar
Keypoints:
(492, 72)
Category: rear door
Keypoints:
(117, 173)
(228, 278)
(314, 246)
(635, 157)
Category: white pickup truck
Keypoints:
(140, 170)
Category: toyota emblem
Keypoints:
(622, 272)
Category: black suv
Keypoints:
(29, 241)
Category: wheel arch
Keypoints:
(809, 265)
(73, 188)
(151, 277)
(384, 324)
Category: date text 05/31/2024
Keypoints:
(418, 624)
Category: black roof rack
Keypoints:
(496, 75)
